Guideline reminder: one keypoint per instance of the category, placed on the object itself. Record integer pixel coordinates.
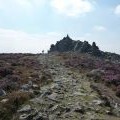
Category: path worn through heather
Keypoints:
(68, 97)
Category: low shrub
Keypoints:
(118, 91)
(15, 100)
(5, 71)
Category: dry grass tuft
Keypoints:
(15, 100)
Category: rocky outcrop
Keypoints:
(67, 44)
(95, 50)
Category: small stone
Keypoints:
(25, 87)
(37, 100)
(97, 102)
(26, 108)
(36, 92)
(40, 116)
(23, 117)
(79, 94)
(2, 92)
(79, 110)
(30, 83)
(55, 107)
(4, 100)
(53, 96)
(67, 109)
(46, 93)
(109, 112)
(35, 86)
(26, 117)
(55, 86)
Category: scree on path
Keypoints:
(68, 97)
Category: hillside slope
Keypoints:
(71, 96)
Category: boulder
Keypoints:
(25, 87)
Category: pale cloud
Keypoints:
(117, 10)
(30, 3)
(13, 41)
(99, 28)
(17, 6)
(72, 7)
(23, 3)
(67, 7)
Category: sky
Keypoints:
(30, 26)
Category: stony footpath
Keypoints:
(68, 97)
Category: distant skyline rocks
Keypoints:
(67, 44)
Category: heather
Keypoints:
(21, 76)
(87, 63)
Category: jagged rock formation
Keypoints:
(67, 44)
(95, 49)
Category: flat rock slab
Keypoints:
(26, 108)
